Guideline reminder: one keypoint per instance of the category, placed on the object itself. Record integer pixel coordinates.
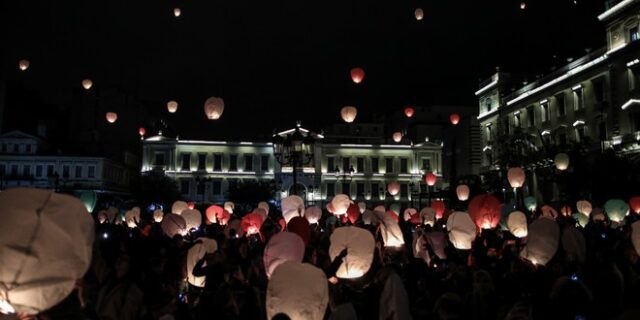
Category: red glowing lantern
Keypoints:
(191, 205)
(430, 179)
(111, 117)
(634, 204)
(566, 211)
(408, 111)
(454, 118)
(300, 226)
(393, 215)
(393, 188)
(213, 212)
(353, 213)
(251, 223)
(224, 217)
(357, 75)
(439, 208)
(142, 131)
(485, 211)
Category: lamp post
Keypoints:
(295, 150)
(346, 175)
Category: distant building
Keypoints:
(23, 163)
(593, 101)
(205, 170)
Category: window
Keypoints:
(38, 170)
(360, 189)
(505, 125)
(217, 162)
(248, 162)
(16, 148)
(580, 133)
(14, 170)
(346, 163)
(598, 90)
(578, 99)
(28, 148)
(186, 162)
(516, 120)
(426, 165)
(375, 190)
(4, 147)
(264, 162)
(602, 130)
(202, 162)
(331, 164)
(404, 165)
(560, 104)
(346, 188)
(184, 186)
(159, 159)
(488, 104)
(331, 189)
(233, 162)
(375, 166)
(404, 190)
(92, 172)
(360, 164)
(531, 117)
(49, 170)
(26, 170)
(388, 165)
(545, 111)
(78, 172)
(200, 186)
(216, 187)
(633, 34)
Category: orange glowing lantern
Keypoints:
(112, 117)
(397, 136)
(251, 223)
(485, 211)
(438, 206)
(213, 212)
(339, 204)
(357, 75)
(348, 113)
(353, 213)
(87, 84)
(213, 108)
(172, 106)
(454, 118)
(430, 179)
(393, 188)
(408, 111)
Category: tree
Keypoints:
(251, 192)
(156, 188)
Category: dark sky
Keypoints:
(277, 61)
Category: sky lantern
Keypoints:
(530, 203)
(635, 236)
(517, 224)
(430, 179)
(454, 118)
(87, 84)
(584, 207)
(516, 177)
(357, 75)
(299, 290)
(261, 212)
(362, 206)
(394, 216)
(397, 136)
(177, 12)
(360, 246)
(223, 219)
(393, 188)
(201, 247)
(142, 131)
(462, 230)
(111, 214)
(367, 217)
(282, 247)
(173, 225)
(102, 217)
(419, 14)
(213, 108)
(264, 205)
(485, 211)
(549, 212)
(634, 204)
(213, 212)
(428, 216)
(574, 244)
(462, 191)
(616, 209)
(132, 217)
(566, 211)
(409, 213)
(178, 207)
(313, 214)
(340, 204)
(158, 215)
(111, 117)
(348, 113)
(191, 205)
(561, 161)
(89, 198)
(193, 218)
(523, 5)
(172, 106)
(581, 219)
(391, 233)
(251, 223)
(408, 111)
(300, 226)
(542, 242)
(439, 208)
(23, 64)
(292, 206)
(353, 213)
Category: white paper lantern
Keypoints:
(391, 233)
(292, 206)
(87, 84)
(462, 230)
(284, 246)
(542, 242)
(408, 213)
(111, 214)
(179, 206)
(340, 204)
(397, 136)
(360, 246)
(393, 188)
(584, 207)
(213, 108)
(616, 209)
(173, 224)
(574, 244)
(177, 12)
(132, 217)
(298, 290)
(428, 216)
(265, 206)
(24, 64)
(229, 206)
(172, 106)
(313, 214)
(367, 217)
(193, 218)
(111, 117)
(419, 14)
(462, 191)
(362, 206)
(158, 215)
(562, 161)
(349, 113)
(516, 177)
(517, 224)
(202, 247)
(46, 242)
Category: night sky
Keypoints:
(277, 61)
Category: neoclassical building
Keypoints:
(205, 170)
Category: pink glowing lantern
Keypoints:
(357, 75)
(251, 223)
(430, 179)
(454, 118)
(393, 188)
(485, 211)
(348, 114)
(408, 111)
(439, 207)
(213, 108)
(516, 177)
(111, 117)
(142, 131)
(397, 136)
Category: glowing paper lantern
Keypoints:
(439, 208)
(523, 5)
(367, 217)
(191, 205)
(616, 209)
(428, 216)
(193, 218)
(213, 108)
(516, 177)
(178, 207)
(292, 206)
(299, 290)
(530, 203)
(485, 211)
(173, 224)
(408, 111)
(454, 118)
(201, 247)
(251, 223)
(419, 14)
(224, 218)
(23, 64)
(102, 217)
(233, 229)
(462, 191)
(349, 114)
(213, 212)
(172, 106)
(462, 230)
(542, 242)
(574, 244)
(397, 136)
(391, 233)
(313, 214)
(111, 117)
(142, 131)
(581, 219)
(132, 217)
(409, 213)
(393, 215)
(584, 207)
(111, 213)
(46, 242)
(158, 215)
(566, 211)
(598, 214)
(430, 179)
(517, 224)
(300, 226)
(177, 12)
(393, 188)
(282, 247)
(549, 212)
(340, 204)
(87, 84)
(265, 206)
(353, 213)
(362, 206)
(357, 75)
(360, 246)
(89, 198)
(562, 161)
(229, 206)
(261, 212)
(635, 236)
(634, 204)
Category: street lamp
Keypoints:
(295, 150)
